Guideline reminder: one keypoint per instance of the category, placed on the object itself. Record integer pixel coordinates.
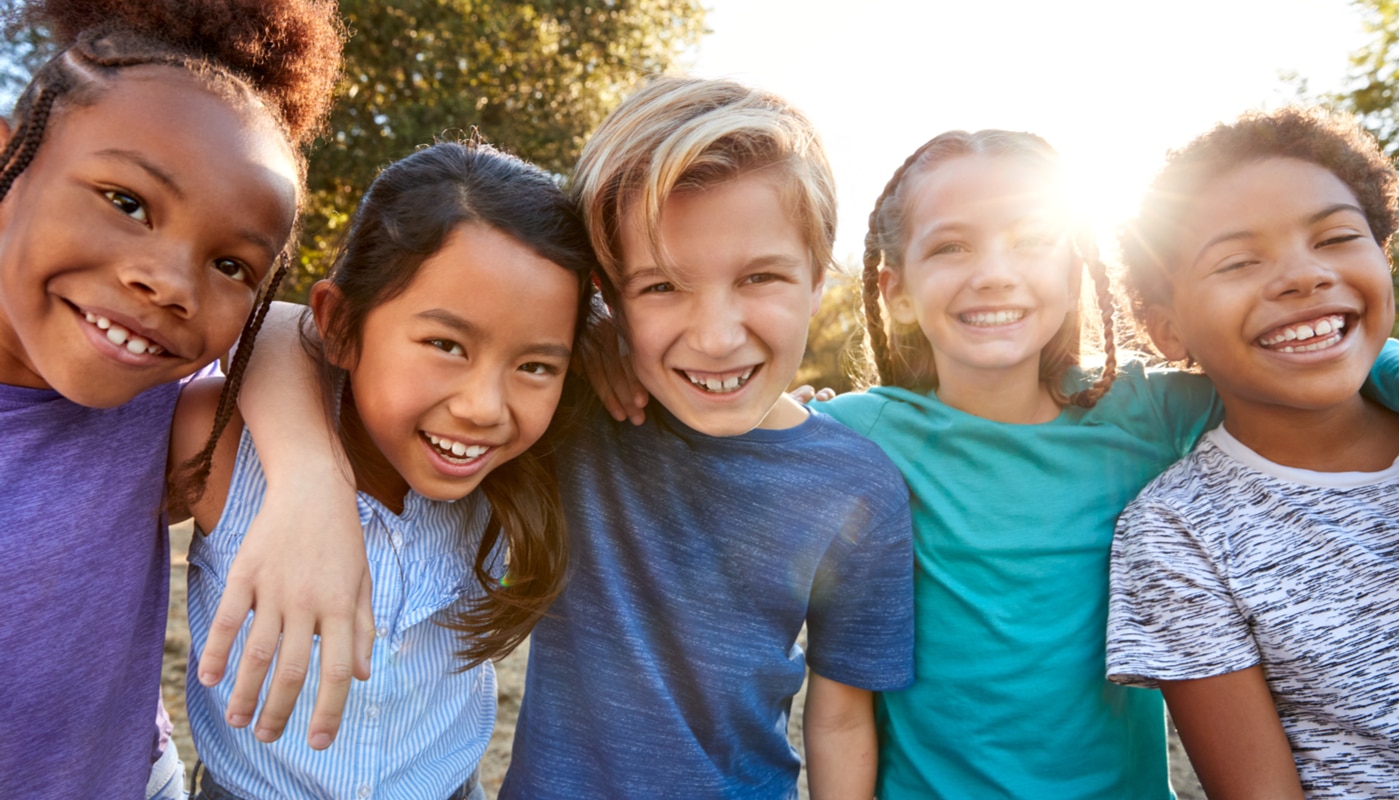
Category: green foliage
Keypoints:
(835, 340)
(533, 78)
(1375, 76)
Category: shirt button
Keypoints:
(372, 712)
(397, 540)
(364, 791)
(382, 631)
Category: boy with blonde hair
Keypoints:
(702, 540)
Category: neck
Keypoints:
(1013, 395)
(374, 475)
(1356, 436)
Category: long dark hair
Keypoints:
(405, 217)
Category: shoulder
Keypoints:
(863, 411)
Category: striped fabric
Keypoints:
(1229, 560)
(416, 730)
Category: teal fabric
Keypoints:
(1012, 530)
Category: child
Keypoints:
(701, 543)
(445, 328)
(1255, 579)
(1018, 461)
(150, 186)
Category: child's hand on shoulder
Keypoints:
(604, 360)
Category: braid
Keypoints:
(876, 244)
(25, 141)
(1107, 309)
(195, 472)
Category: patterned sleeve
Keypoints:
(860, 625)
(1171, 615)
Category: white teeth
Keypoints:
(120, 336)
(1303, 331)
(457, 449)
(717, 386)
(993, 318)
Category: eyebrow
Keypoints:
(1335, 208)
(168, 181)
(470, 330)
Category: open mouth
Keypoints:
(991, 319)
(122, 337)
(454, 451)
(1305, 337)
(720, 383)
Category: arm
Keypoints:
(1232, 733)
(838, 726)
(603, 360)
(302, 566)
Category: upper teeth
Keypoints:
(717, 385)
(119, 336)
(1303, 331)
(457, 448)
(993, 317)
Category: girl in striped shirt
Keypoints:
(444, 332)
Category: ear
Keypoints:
(1162, 327)
(896, 299)
(818, 286)
(5, 132)
(325, 299)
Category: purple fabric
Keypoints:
(84, 579)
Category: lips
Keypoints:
(1305, 336)
(991, 319)
(719, 382)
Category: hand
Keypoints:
(603, 359)
(805, 394)
(301, 570)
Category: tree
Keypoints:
(1375, 76)
(533, 78)
(835, 339)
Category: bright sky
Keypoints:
(1112, 84)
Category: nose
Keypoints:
(169, 279)
(716, 325)
(994, 270)
(1301, 272)
(480, 399)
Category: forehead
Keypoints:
(716, 229)
(1264, 194)
(973, 188)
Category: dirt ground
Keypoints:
(510, 676)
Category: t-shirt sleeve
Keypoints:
(860, 623)
(1184, 405)
(1171, 615)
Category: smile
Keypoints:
(717, 385)
(456, 452)
(1305, 337)
(991, 319)
(121, 337)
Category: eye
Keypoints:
(448, 346)
(659, 288)
(951, 248)
(539, 368)
(1035, 240)
(761, 277)
(128, 204)
(236, 270)
(1232, 266)
(1340, 239)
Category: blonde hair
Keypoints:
(904, 357)
(679, 134)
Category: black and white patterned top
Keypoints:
(1229, 560)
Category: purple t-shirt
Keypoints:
(84, 579)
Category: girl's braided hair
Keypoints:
(902, 358)
(283, 54)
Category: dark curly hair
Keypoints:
(1334, 142)
(284, 53)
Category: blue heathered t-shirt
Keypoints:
(667, 667)
(84, 579)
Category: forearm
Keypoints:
(838, 727)
(1231, 731)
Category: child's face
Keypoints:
(1279, 290)
(132, 247)
(462, 371)
(989, 272)
(719, 345)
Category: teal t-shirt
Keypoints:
(1012, 530)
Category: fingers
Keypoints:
(825, 394)
(803, 394)
(258, 651)
(364, 629)
(233, 609)
(293, 660)
(337, 670)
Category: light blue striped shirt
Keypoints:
(417, 729)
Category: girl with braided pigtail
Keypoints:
(1018, 461)
(148, 194)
